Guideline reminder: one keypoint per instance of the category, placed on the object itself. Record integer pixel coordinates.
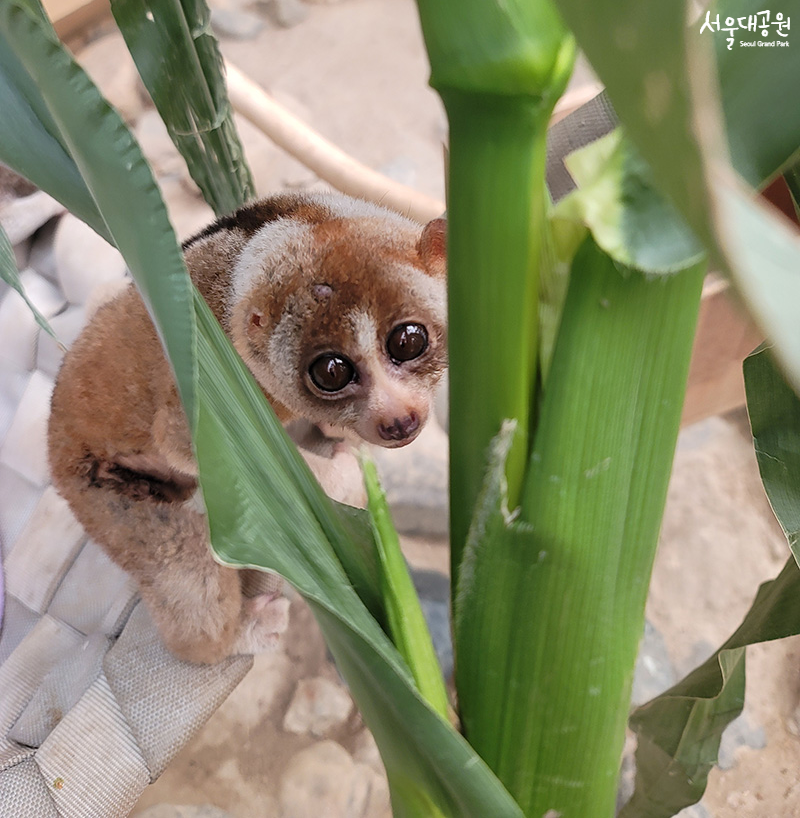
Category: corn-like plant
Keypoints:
(570, 335)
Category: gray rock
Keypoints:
(264, 687)
(324, 780)
(317, 708)
(84, 260)
(272, 168)
(287, 13)
(654, 671)
(187, 211)
(402, 169)
(694, 811)
(237, 24)
(154, 139)
(627, 774)
(415, 479)
(739, 733)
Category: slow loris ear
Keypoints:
(432, 247)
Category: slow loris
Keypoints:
(337, 307)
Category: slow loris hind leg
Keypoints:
(154, 532)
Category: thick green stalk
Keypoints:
(594, 498)
(495, 213)
(499, 68)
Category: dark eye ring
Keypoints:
(407, 342)
(331, 372)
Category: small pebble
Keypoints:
(84, 260)
(317, 708)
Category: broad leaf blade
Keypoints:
(660, 77)
(407, 626)
(775, 420)
(679, 732)
(628, 218)
(30, 141)
(253, 489)
(110, 162)
(753, 83)
(196, 110)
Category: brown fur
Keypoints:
(328, 275)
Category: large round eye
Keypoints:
(331, 373)
(406, 342)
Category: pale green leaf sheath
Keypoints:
(567, 573)
(408, 628)
(499, 69)
(195, 110)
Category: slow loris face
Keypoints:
(343, 321)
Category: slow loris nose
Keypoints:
(400, 428)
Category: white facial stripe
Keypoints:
(365, 331)
(283, 350)
(270, 248)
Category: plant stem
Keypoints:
(594, 497)
(496, 208)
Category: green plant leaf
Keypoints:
(254, 481)
(774, 411)
(10, 274)
(679, 732)
(30, 141)
(753, 84)
(109, 162)
(660, 76)
(792, 177)
(407, 625)
(172, 38)
(628, 218)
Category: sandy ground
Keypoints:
(356, 71)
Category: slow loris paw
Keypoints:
(264, 619)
